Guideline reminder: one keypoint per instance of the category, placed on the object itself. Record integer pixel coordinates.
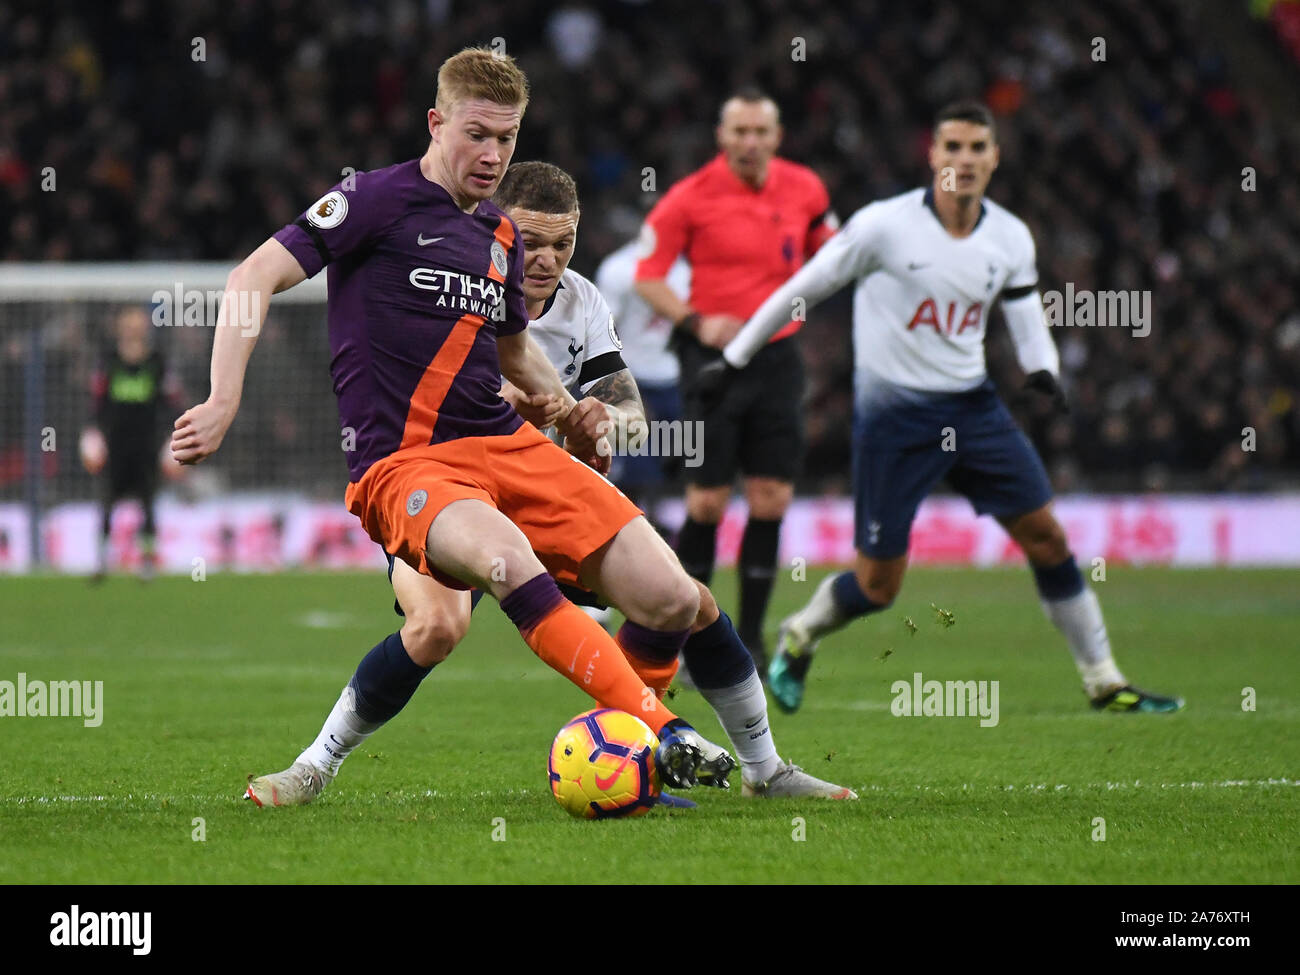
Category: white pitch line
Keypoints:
(1038, 787)
(1108, 786)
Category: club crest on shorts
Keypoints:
(499, 258)
(416, 501)
(328, 211)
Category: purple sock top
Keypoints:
(659, 646)
(530, 603)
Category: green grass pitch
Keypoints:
(205, 682)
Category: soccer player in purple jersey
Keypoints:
(567, 312)
(426, 313)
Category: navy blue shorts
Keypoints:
(906, 442)
(474, 594)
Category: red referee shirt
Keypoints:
(742, 243)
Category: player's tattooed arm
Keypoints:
(622, 399)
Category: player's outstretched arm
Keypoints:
(820, 277)
(847, 255)
(198, 432)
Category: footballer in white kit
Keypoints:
(928, 266)
(576, 331)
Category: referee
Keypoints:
(745, 222)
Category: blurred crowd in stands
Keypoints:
(1130, 146)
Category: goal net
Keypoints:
(56, 331)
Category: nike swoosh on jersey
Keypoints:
(423, 242)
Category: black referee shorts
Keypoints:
(757, 429)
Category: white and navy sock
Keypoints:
(383, 683)
(1074, 610)
(837, 600)
(343, 731)
(724, 673)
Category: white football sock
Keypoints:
(822, 614)
(1079, 619)
(343, 731)
(742, 712)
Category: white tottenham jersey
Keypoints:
(576, 328)
(921, 304)
(644, 334)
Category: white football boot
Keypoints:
(297, 785)
(791, 782)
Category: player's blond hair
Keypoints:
(480, 72)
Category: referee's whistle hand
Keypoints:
(717, 330)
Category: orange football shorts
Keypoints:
(564, 508)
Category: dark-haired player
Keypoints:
(744, 222)
(928, 265)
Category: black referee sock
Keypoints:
(758, 551)
(697, 545)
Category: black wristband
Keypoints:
(688, 323)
